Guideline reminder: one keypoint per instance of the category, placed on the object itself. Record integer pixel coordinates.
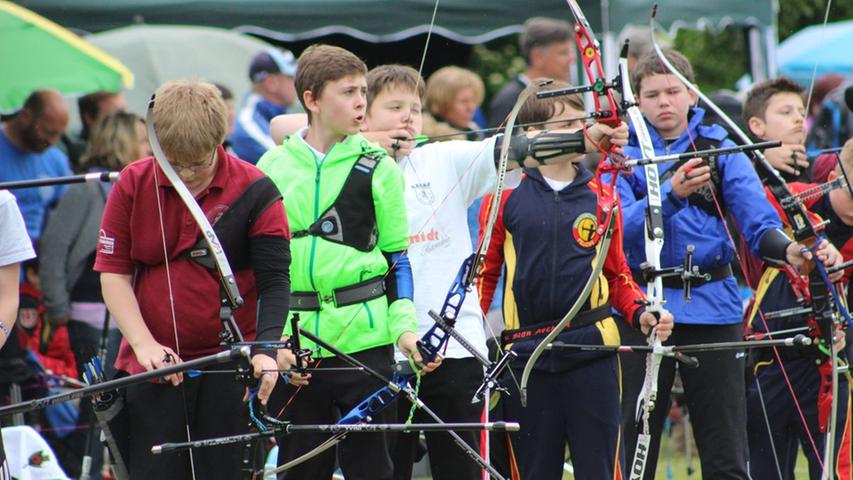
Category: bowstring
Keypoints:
(747, 279)
(156, 167)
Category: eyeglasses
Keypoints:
(194, 167)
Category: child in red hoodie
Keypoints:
(49, 343)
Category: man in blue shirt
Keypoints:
(271, 72)
(28, 151)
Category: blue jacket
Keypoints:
(716, 303)
(251, 137)
(19, 165)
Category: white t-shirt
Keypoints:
(556, 185)
(442, 180)
(15, 245)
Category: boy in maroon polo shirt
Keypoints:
(167, 304)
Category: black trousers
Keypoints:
(448, 392)
(714, 393)
(578, 407)
(768, 393)
(362, 456)
(209, 405)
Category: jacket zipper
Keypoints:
(319, 166)
(555, 229)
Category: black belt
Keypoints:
(717, 273)
(582, 319)
(341, 297)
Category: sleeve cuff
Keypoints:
(671, 203)
(403, 319)
(635, 318)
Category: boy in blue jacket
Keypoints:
(696, 195)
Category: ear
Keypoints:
(756, 126)
(535, 55)
(310, 101)
(694, 99)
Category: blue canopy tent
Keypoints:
(826, 49)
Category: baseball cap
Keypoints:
(270, 61)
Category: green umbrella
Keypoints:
(37, 53)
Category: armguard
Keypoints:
(542, 148)
(772, 247)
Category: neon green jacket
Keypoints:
(309, 186)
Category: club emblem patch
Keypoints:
(584, 230)
(423, 192)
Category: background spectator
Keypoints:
(28, 151)
(92, 107)
(15, 248)
(228, 96)
(548, 49)
(72, 289)
(833, 124)
(273, 91)
(48, 343)
(822, 87)
(639, 43)
(452, 96)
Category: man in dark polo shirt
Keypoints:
(549, 51)
(167, 303)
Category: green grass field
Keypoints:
(676, 467)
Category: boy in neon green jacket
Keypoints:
(350, 278)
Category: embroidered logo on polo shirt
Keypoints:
(106, 244)
(583, 230)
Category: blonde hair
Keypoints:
(190, 119)
(445, 83)
(386, 77)
(113, 142)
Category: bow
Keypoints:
(654, 247)
(591, 58)
(395, 386)
(821, 298)
(429, 347)
(230, 298)
(230, 294)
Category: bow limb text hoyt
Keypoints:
(820, 300)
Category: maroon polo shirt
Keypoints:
(131, 243)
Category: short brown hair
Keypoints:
(190, 119)
(445, 83)
(113, 143)
(541, 32)
(543, 109)
(760, 94)
(91, 104)
(650, 65)
(384, 77)
(321, 64)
